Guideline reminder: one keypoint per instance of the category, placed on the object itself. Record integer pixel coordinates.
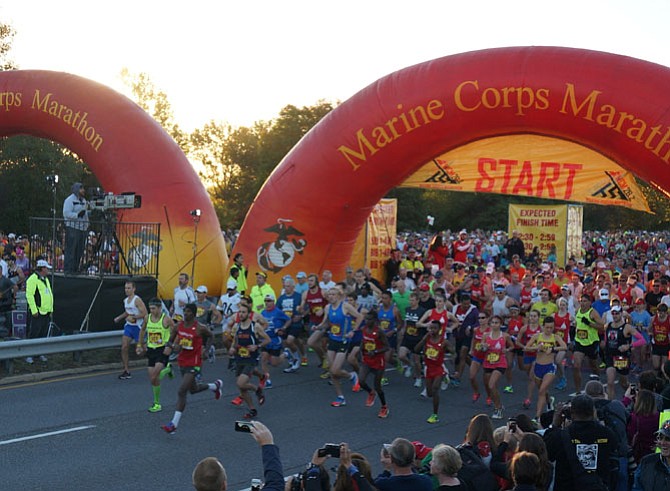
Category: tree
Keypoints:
(6, 38)
(155, 102)
(237, 162)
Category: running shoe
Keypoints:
(433, 419)
(370, 401)
(383, 412)
(324, 375)
(444, 385)
(125, 376)
(288, 355)
(170, 373)
(602, 365)
(296, 364)
(237, 401)
(562, 384)
(424, 392)
(455, 382)
(291, 369)
(169, 428)
(489, 402)
(324, 365)
(261, 396)
(408, 371)
(156, 408)
(217, 390)
(356, 387)
(418, 383)
(497, 414)
(303, 361)
(476, 396)
(550, 403)
(594, 376)
(251, 414)
(526, 404)
(268, 383)
(263, 380)
(385, 381)
(339, 402)
(508, 390)
(211, 354)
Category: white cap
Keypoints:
(41, 263)
(201, 289)
(604, 293)
(231, 285)
(11, 236)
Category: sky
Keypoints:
(239, 62)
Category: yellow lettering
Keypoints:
(589, 102)
(363, 143)
(458, 100)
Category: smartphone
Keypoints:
(633, 388)
(330, 449)
(512, 424)
(243, 426)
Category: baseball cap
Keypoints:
(231, 285)
(604, 293)
(565, 287)
(424, 287)
(439, 274)
(269, 297)
(600, 265)
(514, 307)
(301, 274)
(420, 450)
(616, 308)
(262, 273)
(41, 263)
(499, 288)
(665, 429)
(640, 301)
(662, 307)
(581, 261)
(201, 289)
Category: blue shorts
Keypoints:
(541, 370)
(478, 360)
(132, 331)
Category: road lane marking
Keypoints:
(44, 435)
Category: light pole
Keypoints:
(196, 219)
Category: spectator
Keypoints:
(183, 294)
(240, 275)
(533, 443)
(397, 459)
(665, 392)
(525, 471)
(445, 464)
(515, 247)
(592, 446)
(479, 437)
(353, 472)
(259, 291)
(653, 473)
(210, 475)
(7, 291)
(643, 423)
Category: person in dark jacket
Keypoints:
(653, 473)
(594, 444)
(397, 458)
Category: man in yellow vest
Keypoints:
(40, 302)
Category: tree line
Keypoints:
(234, 163)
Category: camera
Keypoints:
(633, 389)
(195, 213)
(566, 412)
(243, 426)
(297, 481)
(329, 449)
(256, 485)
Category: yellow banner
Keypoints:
(374, 243)
(544, 227)
(532, 165)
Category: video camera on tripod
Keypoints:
(111, 201)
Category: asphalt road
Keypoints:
(93, 432)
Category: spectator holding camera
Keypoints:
(643, 422)
(210, 475)
(397, 459)
(353, 473)
(582, 448)
(76, 224)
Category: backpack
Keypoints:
(609, 417)
(474, 471)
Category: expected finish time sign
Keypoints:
(553, 229)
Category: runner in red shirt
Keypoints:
(374, 345)
(434, 348)
(562, 322)
(659, 332)
(514, 324)
(495, 346)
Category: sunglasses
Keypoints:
(482, 317)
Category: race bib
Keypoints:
(432, 353)
(155, 338)
(493, 357)
(411, 331)
(478, 346)
(318, 311)
(384, 325)
(186, 343)
(243, 352)
(335, 329)
(581, 334)
(620, 362)
(200, 311)
(660, 337)
(370, 347)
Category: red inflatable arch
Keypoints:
(312, 207)
(128, 152)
